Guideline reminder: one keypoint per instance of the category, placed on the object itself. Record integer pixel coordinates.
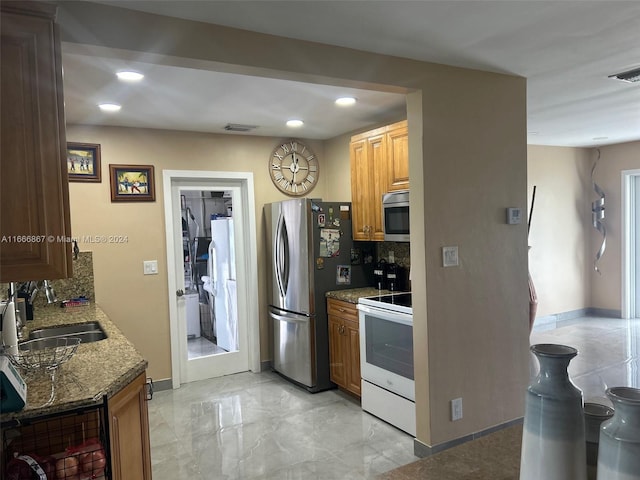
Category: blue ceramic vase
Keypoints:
(619, 446)
(553, 437)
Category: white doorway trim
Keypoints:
(244, 180)
(630, 253)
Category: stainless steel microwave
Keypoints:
(395, 216)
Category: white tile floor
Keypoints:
(608, 352)
(258, 426)
(250, 426)
(201, 347)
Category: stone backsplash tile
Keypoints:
(80, 284)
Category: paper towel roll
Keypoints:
(9, 330)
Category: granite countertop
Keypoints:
(97, 368)
(352, 295)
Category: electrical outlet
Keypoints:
(456, 409)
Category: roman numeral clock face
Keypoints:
(294, 168)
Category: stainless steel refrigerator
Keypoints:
(310, 252)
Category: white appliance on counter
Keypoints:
(386, 359)
(220, 283)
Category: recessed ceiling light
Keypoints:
(109, 107)
(294, 123)
(345, 101)
(130, 76)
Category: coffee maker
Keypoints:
(396, 278)
(380, 275)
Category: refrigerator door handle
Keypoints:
(281, 256)
(291, 319)
(214, 269)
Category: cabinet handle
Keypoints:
(341, 310)
(341, 330)
(149, 388)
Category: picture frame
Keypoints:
(343, 275)
(83, 162)
(132, 183)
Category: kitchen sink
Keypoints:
(87, 332)
(48, 342)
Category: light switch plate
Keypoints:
(150, 267)
(450, 256)
(514, 216)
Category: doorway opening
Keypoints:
(212, 268)
(209, 272)
(631, 243)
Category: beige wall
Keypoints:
(474, 152)
(138, 303)
(467, 161)
(606, 288)
(563, 240)
(560, 258)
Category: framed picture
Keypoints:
(83, 162)
(132, 183)
(343, 275)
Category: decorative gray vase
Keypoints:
(619, 449)
(594, 415)
(553, 437)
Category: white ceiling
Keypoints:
(565, 49)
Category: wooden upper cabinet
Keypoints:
(398, 157)
(379, 164)
(360, 185)
(35, 226)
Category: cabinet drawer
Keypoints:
(342, 309)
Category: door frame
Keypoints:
(244, 180)
(630, 255)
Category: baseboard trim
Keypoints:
(164, 384)
(266, 366)
(422, 450)
(552, 320)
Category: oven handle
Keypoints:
(396, 317)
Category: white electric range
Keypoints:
(386, 359)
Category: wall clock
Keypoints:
(294, 168)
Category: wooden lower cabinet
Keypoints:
(129, 432)
(344, 345)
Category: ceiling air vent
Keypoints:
(632, 76)
(238, 127)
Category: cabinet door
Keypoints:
(35, 224)
(129, 432)
(378, 168)
(398, 158)
(353, 373)
(337, 354)
(360, 185)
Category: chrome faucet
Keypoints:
(49, 292)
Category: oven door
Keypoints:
(386, 349)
